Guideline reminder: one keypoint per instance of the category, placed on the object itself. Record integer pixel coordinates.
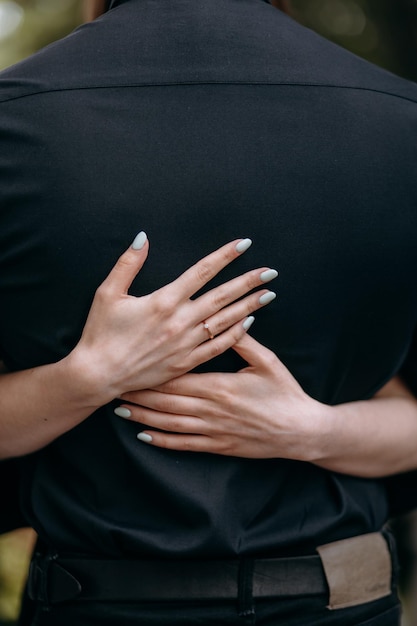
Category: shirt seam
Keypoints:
(189, 83)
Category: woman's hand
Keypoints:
(135, 343)
(262, 412)
(130, 343)
(258, 412)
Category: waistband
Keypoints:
(350, 572)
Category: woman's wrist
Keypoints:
(318, 429)
(86, 380)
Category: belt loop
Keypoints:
(358, 570)
(245, 588)
(38, 578)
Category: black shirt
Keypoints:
(199, 122)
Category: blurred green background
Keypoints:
(382, 31)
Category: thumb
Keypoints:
(265, 361)
(128, 265)
(253, 352)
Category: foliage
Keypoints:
(15, 550)
(27, 25)
(382, 31)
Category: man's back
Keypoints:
(200, 122)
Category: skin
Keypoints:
(78, 382)
(128, 343)
(262, 412)
(93, 9)
(259, 412)
(282, 5)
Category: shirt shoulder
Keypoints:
(121, 50)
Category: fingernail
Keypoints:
(121, 411)
(243, 245)
(248, 322)
(144, 437)
(267, 297)
(268, 275)
(139, 241)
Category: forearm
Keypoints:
(372, 438)
(130, 343)
(40, 404)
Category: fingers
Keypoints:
(173, 429)
(220, 297)
(257, 355)
(184, 443)
(169, 422)
(214, 347)
(202, 272)
(193, 385)
(163, 403)
(175, 432)
(128, 265)
(253, 352)
(224, 319)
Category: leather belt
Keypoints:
(55, 579)
(64, 579)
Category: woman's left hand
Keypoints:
(259, 412)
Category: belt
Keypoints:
(55, 579)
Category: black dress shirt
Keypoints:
(199, 122)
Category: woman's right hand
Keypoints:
(131, 343)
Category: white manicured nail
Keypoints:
(248, 322)
(144, 437)
(139, 241)
(267, 297)
(243, 245)
(268, 275)
(121, 411)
